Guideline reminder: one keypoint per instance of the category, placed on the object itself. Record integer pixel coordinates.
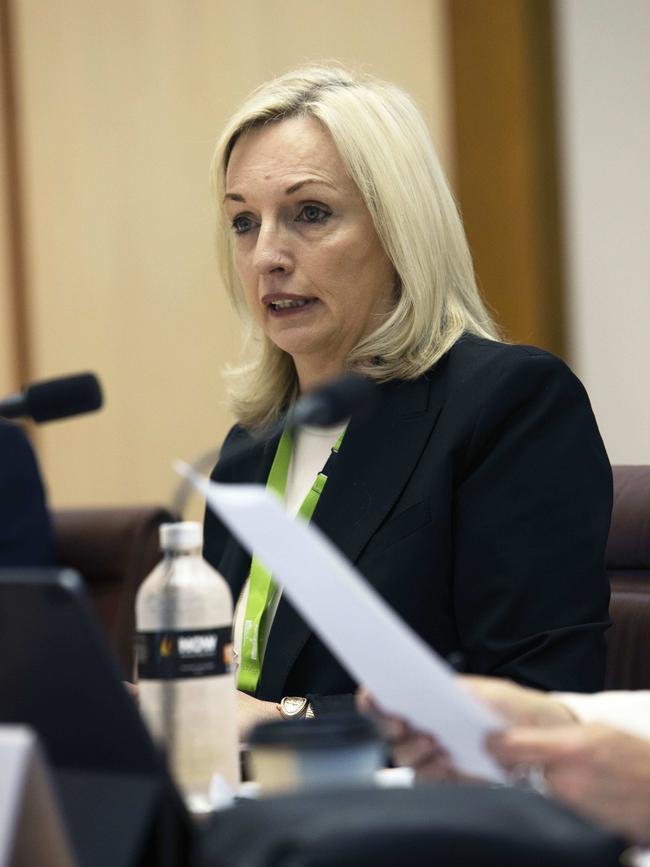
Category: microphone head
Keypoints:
(62, 397)
(334, 402)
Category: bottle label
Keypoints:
(170, 655)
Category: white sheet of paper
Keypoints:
(379, 650)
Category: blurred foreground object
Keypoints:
(333, 750)
(371, 827)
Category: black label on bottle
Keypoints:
(169, 655)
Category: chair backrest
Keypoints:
(628, 565)
(114, 549)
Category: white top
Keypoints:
(311, 449)
(628, 711)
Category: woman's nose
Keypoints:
(272, 252)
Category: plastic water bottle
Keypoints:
(187, 687)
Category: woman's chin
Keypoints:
(302, 342)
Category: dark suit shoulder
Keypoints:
(14, 442)
(483, 371)
(474, 357)
(26, 536)
(18, 466)
(496, 391)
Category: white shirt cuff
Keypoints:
(628, 711)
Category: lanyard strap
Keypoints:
(261, 587)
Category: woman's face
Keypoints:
(315, 275)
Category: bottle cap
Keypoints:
(181, 536)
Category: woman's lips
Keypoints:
(282, 305)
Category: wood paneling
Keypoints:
(13, 336)
(507, 176)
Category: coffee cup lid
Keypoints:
(327, 732)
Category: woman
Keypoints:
(476, 497)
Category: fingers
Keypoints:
(425, 755)
(132, 689)
(416, 750)
(599, 771)
(536, 746)
(409, 748)
(392, 728)
(478, 683)
(365, 703)
(518, 704)
(362, 700)
(510, 700)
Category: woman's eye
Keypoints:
(313, 214)
(242, 224)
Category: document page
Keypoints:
(402, 673)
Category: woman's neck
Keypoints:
(311, 376)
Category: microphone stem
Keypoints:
(13, 406)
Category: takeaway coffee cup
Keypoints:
(334, 750)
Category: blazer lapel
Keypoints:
(379, 453)
(375, 464)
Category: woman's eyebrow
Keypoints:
(295, 187)
(236, 197)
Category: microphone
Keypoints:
(326, 406)
(52, 399)
(332, 403)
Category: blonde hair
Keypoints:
(385, 146)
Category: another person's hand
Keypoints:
(602, 772)
(251, 711)
(420, 751)
(519, 705)
(409, 748)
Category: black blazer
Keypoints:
(26, 537)
(476, 499)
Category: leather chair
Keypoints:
(114, 549)
(628, 565)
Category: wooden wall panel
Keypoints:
(13, 361)
(120, 104)
(507, 176)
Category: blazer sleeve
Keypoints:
(531, 518)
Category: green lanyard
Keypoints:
(261, 587)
